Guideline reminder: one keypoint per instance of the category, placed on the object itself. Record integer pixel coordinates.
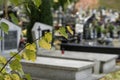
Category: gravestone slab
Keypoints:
(59, 69)
(104, 63)
(11, 40)
(39, 30)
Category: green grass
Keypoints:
(110, 4)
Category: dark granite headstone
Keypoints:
(10, 40)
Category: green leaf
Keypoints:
(63, 32)
(1, 77)
(29, 55)
(3, 60)
(1, 38)
(44, 44)
(15, 77)
(48, 37)
(4, 27)
(18, 56)
(16, 2)
(28, 9)
(14, 18)
(1, 2)
(28, 77)
(37, 2)
(16, 65)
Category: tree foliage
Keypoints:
(11, 69)
(38, 13)
(46, 15)
(110, 4)
(57, 3)
(33, 12)
(15, 71)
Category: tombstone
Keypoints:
(79, 28)
(59, 69)
(39, 30)
(10, 41)
(104, 63)
(86, 29)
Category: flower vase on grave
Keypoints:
(62, 51)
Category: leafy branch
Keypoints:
(28, 53)
(15, 55)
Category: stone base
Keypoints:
(104, 63)
(108, 66)
(53, 74)
(59, 71)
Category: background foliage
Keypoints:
(110, 4)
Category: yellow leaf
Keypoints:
(24, 56)
(18, 56)
(70, 30)
(56, 1)
(15, 65)
(29, 55)
(7, 77)
(24, 32)
(1, 76)
(31, 46)
(44, 44)
(15, 77)
(3, 60)
(48, 37)
(4, 70)
(32, 56)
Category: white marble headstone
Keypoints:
(11, 40)
(79, 28)
(38, 31)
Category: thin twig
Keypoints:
(6, 9)
(16, 55)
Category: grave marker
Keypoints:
(39, 30)
(104, 63)
(59, 69)
(11, 40)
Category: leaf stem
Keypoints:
(16, 55)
